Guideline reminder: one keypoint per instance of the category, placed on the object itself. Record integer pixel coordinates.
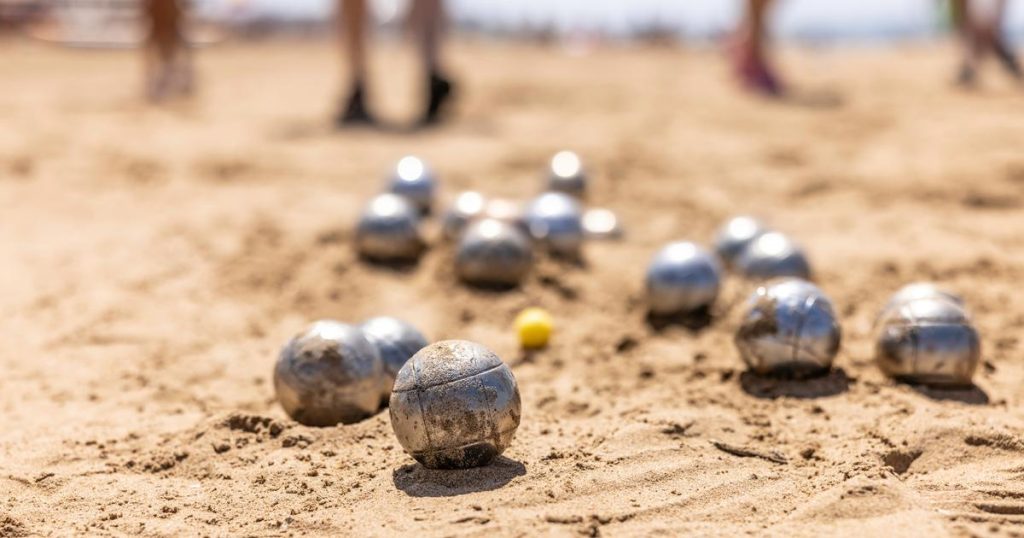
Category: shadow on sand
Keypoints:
(404, 267)
(302, 130)
(833, 382)
(694, 322)
(972, 395)
(418, 481)
(490, 288)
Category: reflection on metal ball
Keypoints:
(414, 180)
(388, 229)
(681, 278)
(927, 338)
(493, 252)
(734, 237)
(555, 219)
(396, 341)
(455, 405)
(468, 205)
(329, 374)
(773, 255)
(566, 174)
(789, 327)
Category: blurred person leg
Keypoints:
(168, 60)
(979, 24)
(352, 22)
(994, 32)
(427, 20)
(960, 13)
(751, 58)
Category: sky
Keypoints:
(808, 19)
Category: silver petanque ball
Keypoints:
(328, 374)
(396, 341)
(681, 278)
(789, 327)
(919, 290)
(928, 340)
(455, 405)
(510, 211)
(414, 180)
(566, 174)
(467, 206)
(734, 236)
(388, 229)
(493, 252)
(773, 255)
(600, 223)
(555, 219)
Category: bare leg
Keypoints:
(168, 63)
(352, 25)
(756, 20)
(981, 33)
(427, 22)
(966, 29)
(751, 61)
(998, 44)
(352, 22)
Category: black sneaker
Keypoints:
(355, 111)
(440, 92)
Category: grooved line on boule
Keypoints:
(807, 306)
(419, 401)
(470, 376)
(490, 405)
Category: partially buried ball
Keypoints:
(773, 255)
(734, 237)
(493, 253)
(329, 374)
(388, 230)
(467, 206)
(455, 405)
(556, 221)
(396, 341)
(924, 335)
(414, 180)
(789, 328)
(600, 223)
(506, 210)
(566, 174)
(681, 278)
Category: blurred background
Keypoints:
(807, 20)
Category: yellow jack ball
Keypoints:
(534, 325)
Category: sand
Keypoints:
(155, 260)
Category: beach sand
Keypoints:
(156, 258)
